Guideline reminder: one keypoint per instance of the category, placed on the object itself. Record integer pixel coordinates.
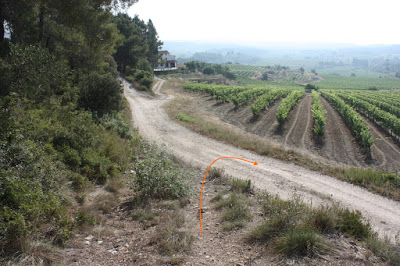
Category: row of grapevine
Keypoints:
(387, 120)
(287, 104)
(381, 100)
(353, 119)
(248, 95)
(318, 114)
(222, 93)
(267, 99)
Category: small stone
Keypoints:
(89, 237)
(207, 257)
(87, 242)
(99, 242)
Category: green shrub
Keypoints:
(158, 176)
(100, 93)
(269, 229)
(323, 219)
(351, 222)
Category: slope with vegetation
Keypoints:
(62, 125)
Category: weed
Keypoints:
(350, 222)
(114, 185)
(228, 226)
(83, 218)
(300, 242)
(184, 118)
(385, 249)
(241, 186)
(323, 219)
(142, 215)
(174, 237)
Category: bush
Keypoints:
(350, 222)
(323, 219)
(209, 70)
(142, 79)
(100, 93)
(158, 176)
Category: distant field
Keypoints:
(333, 82)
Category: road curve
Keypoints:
(271, 175)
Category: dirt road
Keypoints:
(271, 175)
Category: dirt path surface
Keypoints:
(271, 175)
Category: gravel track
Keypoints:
(271, 175)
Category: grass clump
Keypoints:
(236, 211)
(300, 242)
(174, 237)
(351, 223)
(142, 215)
(241, 186)
(323, 219)
(185, 118)
(385, 249)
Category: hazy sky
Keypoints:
(252, 21)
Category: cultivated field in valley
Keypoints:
(356, 128)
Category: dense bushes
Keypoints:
(158, 176)
(100, 93)
(210, 69)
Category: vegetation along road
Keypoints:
(270, 175)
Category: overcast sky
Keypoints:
(294, 21)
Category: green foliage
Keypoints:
(236, 211)
(209, 70)
(287, 104)
(264, 76)
(318, 114)
(100, 94)
(34, 73)
(241, 186)
(158, 176)
(336, 82)
(351, 222)
(266, 100)
(184, 118)
(352, 118)
(300, 242)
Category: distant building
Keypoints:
(166, 62)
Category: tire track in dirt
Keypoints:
(299, 129)
(271, 175)
(293, 124)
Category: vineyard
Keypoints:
(357, 127)
(272, 73)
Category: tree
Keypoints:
(301, 70)
(209, 70)
(154, 44)
(264, 76)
